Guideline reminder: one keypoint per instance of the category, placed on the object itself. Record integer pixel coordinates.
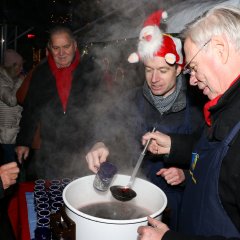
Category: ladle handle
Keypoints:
(135, 170)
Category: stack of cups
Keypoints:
(48, 200)
(40, 192)
(43, 229)
(55, 195)
(65, 182)
(42, 209)
(55, 190)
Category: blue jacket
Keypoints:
(133, 115)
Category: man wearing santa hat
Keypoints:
(162, 102)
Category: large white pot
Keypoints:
(80, 193)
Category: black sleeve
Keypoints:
(31, 107)
(181, 147)
(171, 235)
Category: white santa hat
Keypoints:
(152, 42)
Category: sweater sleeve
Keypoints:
(7, 90)
(171, 235)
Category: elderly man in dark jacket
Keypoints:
(59, 99)
(211, 201)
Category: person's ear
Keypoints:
(179, 69)
(75, 45)
(220, 48)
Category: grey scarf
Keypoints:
(163, 104)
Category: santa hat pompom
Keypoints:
(155, 18)
(133, 58)
(170, 58)
(164, 15)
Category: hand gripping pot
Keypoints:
(80, 193)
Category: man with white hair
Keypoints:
(210, 206)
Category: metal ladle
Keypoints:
(126, 193)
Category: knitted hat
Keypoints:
(11, 57)
(152, 42)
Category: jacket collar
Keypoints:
(225, 114)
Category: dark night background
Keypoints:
(36, 17)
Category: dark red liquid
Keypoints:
(115, 210)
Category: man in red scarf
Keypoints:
(58, 99)
(211, 202)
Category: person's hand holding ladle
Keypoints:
(126, 193)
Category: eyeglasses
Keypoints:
(187, 69)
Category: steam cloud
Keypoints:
(121, 20)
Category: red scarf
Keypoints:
(63, 78)
(207, 114)
(213, 102)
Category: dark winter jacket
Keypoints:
(63, 135)
(225, 115)
(1, 189)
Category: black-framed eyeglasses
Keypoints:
(187, 68)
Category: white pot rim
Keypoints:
(110, 221)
